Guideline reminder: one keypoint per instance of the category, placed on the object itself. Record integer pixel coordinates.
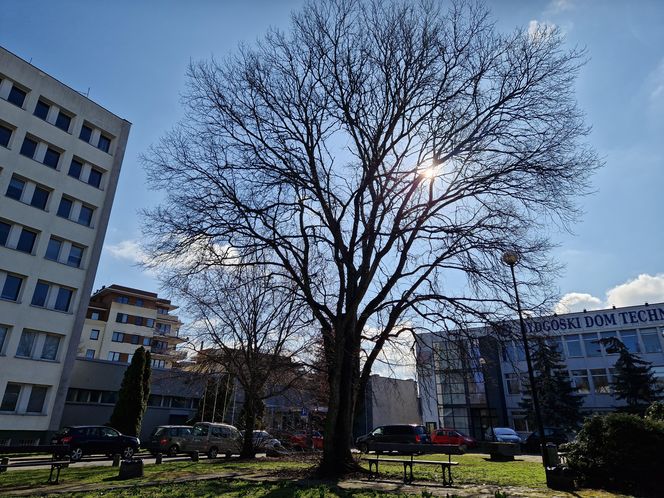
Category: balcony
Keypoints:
(168, 354)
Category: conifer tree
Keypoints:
(560, 406)
(633, 380)
(133, 396)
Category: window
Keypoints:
(5, 135)
(4, 331)
(592, 345)
(10, 398)
(113, 356)
(26, 343)
(86, 133)
(104, 143)
(158, 363)
(15, 188)
(600, 380)
(138, 320)
(109, 397)
(580, 380)
(4, 232)
(16, 96)
(53, 249)
(121, 318)
(36, 400)
(28, 148)
(85, 216)
(513, 385)
(51, 346)
(118, 337)
(75, 168)
(94, 334)
(75, 256)
(573, 346)
(164, 328)
(557, 344)
(629, 339)
(11, 288)
(90, 354)
(26, 241)
(64, 209)
(650, 340)
(63, 300)
(41, 109)
(139, 303)
(40, 295)
(94, 315)
(162, 311)
(39, 198)
(63, 121)
(122, 300)
(135, 339)
(146, 341)
(149, 322)
(51, 158)
(607, 335)
(94, 178)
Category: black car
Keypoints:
(551, 435)
(398, 433)
(95, 439)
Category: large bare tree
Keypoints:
(381, 155)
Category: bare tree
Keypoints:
(381, 156)
(255, 330)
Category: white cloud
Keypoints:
(127, 249)
(577, 301)
(642, 289)
(556, 6)
(540, 29)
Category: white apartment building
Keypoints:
(120, 319)
(60, 158)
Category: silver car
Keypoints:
(215, 439)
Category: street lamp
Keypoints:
(511, 258)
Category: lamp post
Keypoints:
(511, 258)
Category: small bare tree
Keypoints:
(255, 329)
(381, 157)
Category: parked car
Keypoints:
(453, 437)
(398, 433)
(300, 440)
(95, 440)
(213, 439)
(551, 435)
(502, 435)
(263, 441)
(169, 439)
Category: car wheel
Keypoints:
(173, 450)
(76, 454)
(127, 453)
(363, 447)
(212, 453)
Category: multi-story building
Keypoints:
(471, 379)
(120, 319)
(60, 158)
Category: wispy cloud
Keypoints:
(557, 6)
(642, 289)
(128, 250)
(540, 29)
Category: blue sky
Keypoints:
(132, 57)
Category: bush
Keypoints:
(619, 451)
(656, 411)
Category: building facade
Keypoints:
(472, 380)
(120, 319)
(60, 158)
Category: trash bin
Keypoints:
(552, 455)
(130, 469)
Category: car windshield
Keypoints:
(504, 431)
(157, 431)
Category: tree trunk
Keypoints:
(343, 376)
(248, 450)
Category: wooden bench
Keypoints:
(412, 450)
(446, 467)
(56, 466)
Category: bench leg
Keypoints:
(406, 476)
(447, 475)
(57, 474)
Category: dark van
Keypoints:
(398, 433)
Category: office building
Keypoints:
(471, 379)
(60, 158)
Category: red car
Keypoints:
(453, 437)
(299, 440)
